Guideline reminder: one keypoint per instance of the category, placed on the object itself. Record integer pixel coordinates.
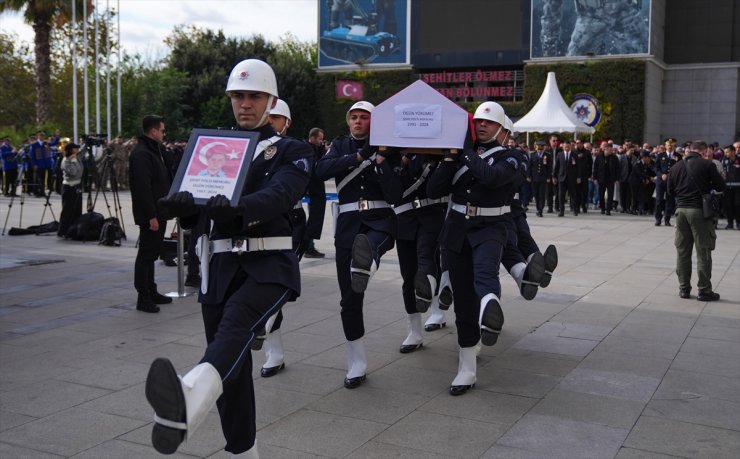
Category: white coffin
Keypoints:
(418, 117)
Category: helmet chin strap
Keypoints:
(266, 113)
(358, 138)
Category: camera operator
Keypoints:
(71, 188)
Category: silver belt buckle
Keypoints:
(415, 204)
(239, 246)
(471, 211)
(362, 204)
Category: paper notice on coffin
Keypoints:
(418, 117)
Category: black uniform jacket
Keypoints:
(149, 179)
(663, 164)
(377, 182)
(688, 188)
(489, 182)
(516, 202)
(275, 182)
(540, 166)
(429, 217)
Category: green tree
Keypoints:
(17, 91)
(42, 15)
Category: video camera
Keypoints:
(94, 140)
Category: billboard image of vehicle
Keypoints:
(360, 33)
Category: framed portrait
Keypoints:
(215, 162)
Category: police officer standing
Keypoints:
(482, 181)
(664, 202)
(540, 174)
(316, 198)
(688, 181)
(365, 226)
(252, 273)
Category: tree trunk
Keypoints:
(42, 31)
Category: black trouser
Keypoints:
(230, 328)
(732, 205)
(638, 200)
(316, 208)
(572, 187)
(539, 189)
(474, 273)
(419, 255)
(607, 188)
(150, 243)
(71, 207)
(351, 302)
(550, 192)
(624, 195)
(10, 181)
(583, 193)
(663, 202)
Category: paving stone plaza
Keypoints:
(606, 362)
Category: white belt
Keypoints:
(473, 211)
(298, 205)
(417, 203)
(362, 205)
(252, 244)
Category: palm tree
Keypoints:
(42, 15)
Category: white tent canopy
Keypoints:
(551, 113)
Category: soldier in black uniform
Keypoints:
(664, 202)
(587, 165)
(253, 272)
(731, 168)
(482, 181)
(420, 221)
(365, 228)
(316, 198)
(540, 174)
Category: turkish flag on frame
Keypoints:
(348, 89)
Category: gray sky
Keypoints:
(145, 23)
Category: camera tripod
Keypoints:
(21, 183)
(103, 172)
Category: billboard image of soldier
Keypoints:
(563, 28)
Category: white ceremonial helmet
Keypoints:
(282, 109)
(252, 75)
(490, 111)
(361, 105)
(508, 124)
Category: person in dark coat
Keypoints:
(567, 174)
(606, 174)
(253, 271)
(150, 179)
(365, 228)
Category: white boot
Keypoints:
(251, 453)
(274, 354)
(413, 341)
(491, 319)
(466, 371)
(356, 363)
(436, 319)
(180, 403)
(445, 291)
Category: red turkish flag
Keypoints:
(348, 89)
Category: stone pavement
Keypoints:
(606, 362)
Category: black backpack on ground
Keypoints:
(111, 233)
(86, 228)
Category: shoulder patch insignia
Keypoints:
(513, 162)
(301, 164)
(270, 151)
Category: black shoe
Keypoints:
(584, 210)
(164, 394)
(259, 340)
(684, 292)
(561, 214)
(459, 390)
(539, 213)
(551, 262)
(361, 264)
(352, 383)
(668, 223)
(532, 277)
(192, 281)
(657, 223)
(423, 292)
(434, 327)
(491, 323)
(271, 371)
(445, 298)
(311, 252)
(549, 211)
(608, 212)
(707, 295)
(158, 298)
(603, 211)
(144, 303)
(409, 348)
